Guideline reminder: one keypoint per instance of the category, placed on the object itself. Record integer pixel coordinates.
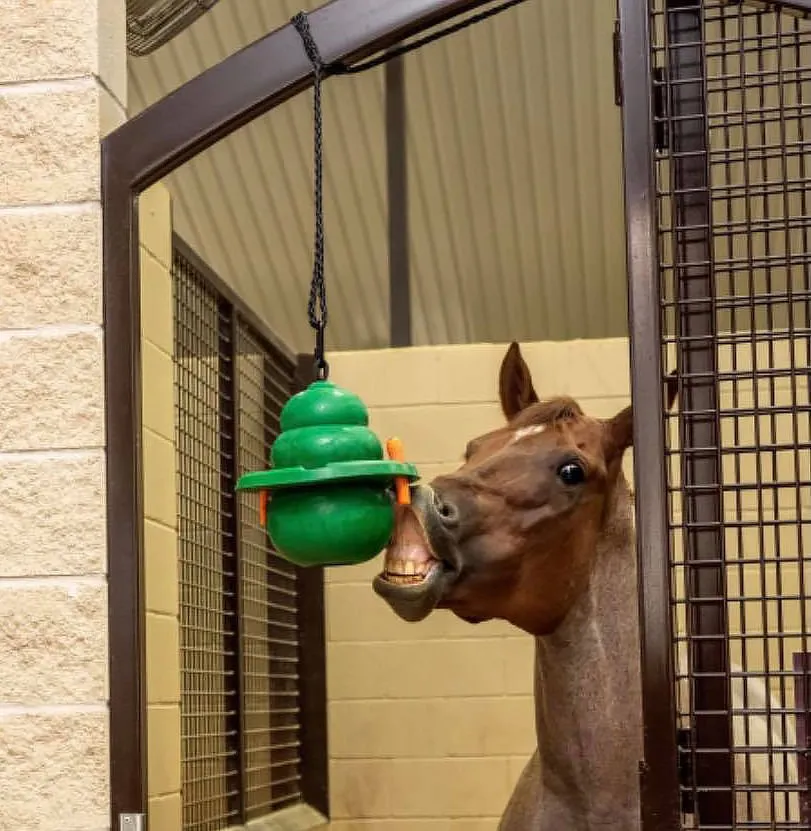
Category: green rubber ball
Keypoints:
(339, 525)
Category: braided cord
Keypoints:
(317, 305)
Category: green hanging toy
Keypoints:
(327, 498)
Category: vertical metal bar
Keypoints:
(727, 24)
(232, 582)
(802, 703)
(397, 173)
(313, 689)
(312, 666)
(659, 770)
(757, 392)
(784, 580)
(698, 413)
(802, 665)
(124, 490)
(274, 720)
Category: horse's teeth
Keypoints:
(407, 572)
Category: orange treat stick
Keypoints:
(394, 449)
(263, 508)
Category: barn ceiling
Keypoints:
(515, 201)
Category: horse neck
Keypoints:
(587, 684)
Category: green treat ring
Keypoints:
(329, 483)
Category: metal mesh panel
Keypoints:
(207, 568)
(151, 23)
(269, 597)
(734, 129)
(238, 600)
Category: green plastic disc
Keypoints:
(297, 477)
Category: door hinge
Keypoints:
(661, 129)
(684, 740)
(132, 822)
(617, 47)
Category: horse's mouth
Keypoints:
(413, 579)
(414, 596)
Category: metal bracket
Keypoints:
(661, 133)
(617, 49)
(684, 739)
(132, 822)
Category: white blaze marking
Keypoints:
(523, 432)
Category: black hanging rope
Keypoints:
(317, 306)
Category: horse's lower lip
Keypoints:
(414, 601)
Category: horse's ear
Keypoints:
(621, 431)
(515, 383)
(621, 427)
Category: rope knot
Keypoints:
(302, 26)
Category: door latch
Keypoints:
(617, 49)
(661, 128)
(684, 740)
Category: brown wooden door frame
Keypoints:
(659, 767)
(142, 151)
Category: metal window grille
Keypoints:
(732, 110)
(152, 23)
(270, 636)
(240, 604)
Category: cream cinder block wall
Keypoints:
(431, 723)
(160, 512)
(62, 85)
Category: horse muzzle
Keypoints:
(417, 568)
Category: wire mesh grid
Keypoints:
(208, 613)
(151, 23)
(733, 124)
(269, 597)
(238, 600)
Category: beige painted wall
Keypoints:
(431, 723)
(62, 85)
(160, 512)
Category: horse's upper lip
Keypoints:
(415, 576)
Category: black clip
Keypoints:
(321, 365)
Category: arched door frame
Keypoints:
(142, 151)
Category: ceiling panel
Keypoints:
(515, 200)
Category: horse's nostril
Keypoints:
(447, 511)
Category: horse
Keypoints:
(537, 528)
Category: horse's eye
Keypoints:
(571, 473)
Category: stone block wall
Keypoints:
(62, 86)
